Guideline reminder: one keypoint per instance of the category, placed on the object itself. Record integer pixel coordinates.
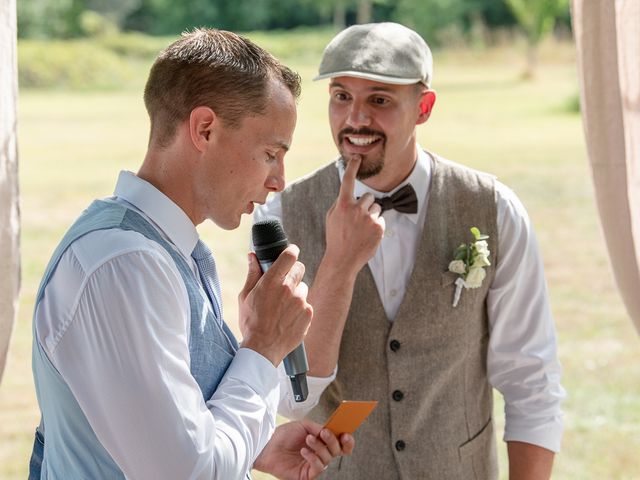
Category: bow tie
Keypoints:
(404, 200)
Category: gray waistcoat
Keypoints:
(427, 369)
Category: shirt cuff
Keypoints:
(254, 370)
(546, 435)
(296, 410)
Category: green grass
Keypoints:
(72, 146)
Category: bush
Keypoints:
(69, 64)
(572, 104)
(296, 45)
(135, 45)
(94, 24)
(112, 59)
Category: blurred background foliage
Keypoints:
(102, 38)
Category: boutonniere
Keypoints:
(468, 262)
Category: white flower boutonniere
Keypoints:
(469, 261)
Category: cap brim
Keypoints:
(370, 76)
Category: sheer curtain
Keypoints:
(9, 213)
(607, 34)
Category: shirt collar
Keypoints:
(419, 178)
(168, 216)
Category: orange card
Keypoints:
(349, 415)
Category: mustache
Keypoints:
(360, 131)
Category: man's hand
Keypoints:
(274, 313)
(301, 450)
(354, 227)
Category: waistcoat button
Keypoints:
(400, 445)
(397, 395)
(394, 345)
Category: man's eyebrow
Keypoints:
(283, 145)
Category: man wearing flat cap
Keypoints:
(427, 283)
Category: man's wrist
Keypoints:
(255, 343)
(335, 267)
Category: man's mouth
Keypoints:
(362, 138)
(361, 141)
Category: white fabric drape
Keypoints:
(607, 34)
(9, 213)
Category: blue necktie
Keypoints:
(208, 276)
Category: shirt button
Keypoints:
(389, 233)
(394, 345)
(393, 293)
(400, 445)
(397, 395)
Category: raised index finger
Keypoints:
(349, 178)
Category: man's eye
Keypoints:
(271, 158)
(380, 101)
(341, 96)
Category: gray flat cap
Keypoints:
(383, 52)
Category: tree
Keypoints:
(339, 14)
(365, 11)
(536, 19)
(432, 17)
(114, 10)
(45, 19)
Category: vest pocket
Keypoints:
(478, 455)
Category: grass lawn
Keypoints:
(72, 146)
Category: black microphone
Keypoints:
(269, 240)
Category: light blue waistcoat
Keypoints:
(72, 449)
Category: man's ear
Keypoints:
(202, 121)
(427, 101)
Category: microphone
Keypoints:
(269, 240)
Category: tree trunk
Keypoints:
(339, 15)
(364, 11)
(9, 213)
(532, 61)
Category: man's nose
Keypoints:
(276, 181)
(358, 116)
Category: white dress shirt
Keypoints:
(115, 322)
(522, 361)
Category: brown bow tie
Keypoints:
(404, 200)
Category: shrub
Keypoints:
(299, 44)
(69, 64)
(135, 45)
(572, 104)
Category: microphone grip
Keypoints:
(295, 363)
(269, 241)
(296, 367)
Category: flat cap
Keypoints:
(384, 52)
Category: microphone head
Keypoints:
(269, 239)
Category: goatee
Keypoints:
(371, 165)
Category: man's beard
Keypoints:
(372, 164)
